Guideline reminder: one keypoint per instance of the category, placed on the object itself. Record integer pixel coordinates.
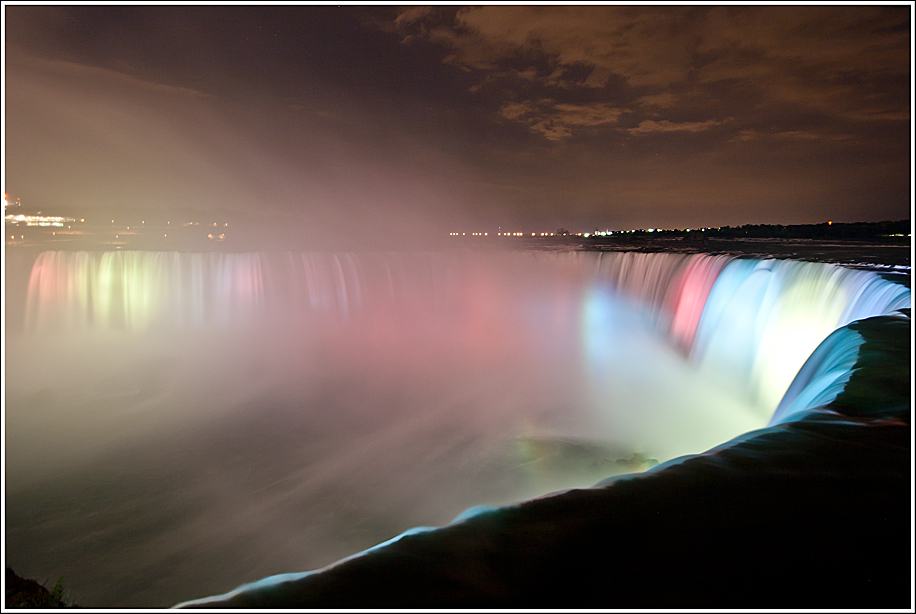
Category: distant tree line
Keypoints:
(836, 230)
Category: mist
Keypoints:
(95, 140)
(328, 411)
(203, 418)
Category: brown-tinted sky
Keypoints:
(448, 117)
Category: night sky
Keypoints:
(434, 119)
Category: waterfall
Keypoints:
(750, 323)
(763, 319)
(298, 407)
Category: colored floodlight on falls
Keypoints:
(823, 376)
(690, 295)
(782, 310)
(134, 290)
(748, 321)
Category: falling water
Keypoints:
(283, 410)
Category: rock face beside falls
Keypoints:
(814, 512)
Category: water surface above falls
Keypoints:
(167, 413)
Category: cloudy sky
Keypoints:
(450, 118)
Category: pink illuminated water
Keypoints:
(206, 419)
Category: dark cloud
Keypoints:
(850, 62)
(648, 126)
(434, 118)
(555, 120)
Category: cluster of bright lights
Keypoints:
(608, 233)
(49, 221)
(597, 233)
(39, 220)
(6, 202)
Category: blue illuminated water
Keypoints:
(206, 419)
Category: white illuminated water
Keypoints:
(178, 424)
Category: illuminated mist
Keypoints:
(224, 416)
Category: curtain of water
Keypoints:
(749, 322)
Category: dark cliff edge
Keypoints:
(815, 512)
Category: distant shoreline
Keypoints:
(192, 230)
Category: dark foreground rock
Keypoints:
(26, 593)
(811, 513)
